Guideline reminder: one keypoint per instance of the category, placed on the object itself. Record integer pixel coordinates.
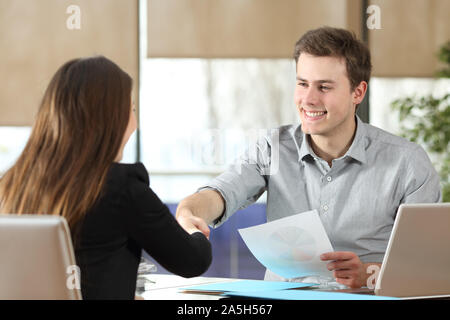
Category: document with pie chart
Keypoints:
(291, 246)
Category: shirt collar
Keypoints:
(358, 148)
(305, 148)
(356, 151)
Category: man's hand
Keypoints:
(347, 268)
(191, 223)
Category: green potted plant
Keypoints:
(426, 120)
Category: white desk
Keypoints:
(167, 287)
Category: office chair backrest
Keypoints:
(37, 259)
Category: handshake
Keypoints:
(195, 212)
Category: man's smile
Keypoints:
(314, 115)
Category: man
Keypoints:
(354, 174)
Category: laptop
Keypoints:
(417, 259)
(37, 259)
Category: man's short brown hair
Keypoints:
(341, 43)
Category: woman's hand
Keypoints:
(191, 223)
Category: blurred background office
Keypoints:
(209, 74)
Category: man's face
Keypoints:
(323, 97)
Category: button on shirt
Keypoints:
(357, 197)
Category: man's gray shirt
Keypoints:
(357, 198)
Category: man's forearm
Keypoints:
(207, 204)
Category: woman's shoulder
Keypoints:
(129, 183)
(128, 174)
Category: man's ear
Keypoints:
(359, 92)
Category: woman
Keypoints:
(70, 167)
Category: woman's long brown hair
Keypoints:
(77, 135)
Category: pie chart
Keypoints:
(294, 243)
